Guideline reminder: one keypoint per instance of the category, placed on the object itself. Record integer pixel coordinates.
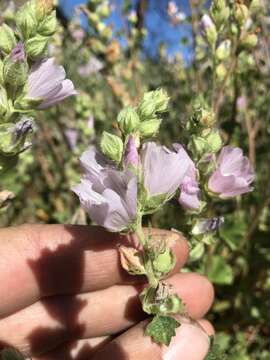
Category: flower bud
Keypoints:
(164, 263)
(240, 13)
(224, 50)
(111, 146)
(7, 39)
(48, 25)
(103, 10)
(198, 146)
(131, 157)
(219, 12)
(249, 41)
(221, 72)
(128, 120)
(149, 128)
(26, 20)
(214, 141)
(15, 67)
(159, 98)
(36, 46)
(13, 137)
(209, 29)
(131, 260)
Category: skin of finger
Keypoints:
(76, 350)
(190, 343)
(62, 259)
(100, 313)
(82, 349)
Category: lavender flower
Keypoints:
(131, 156)
(109, 196)
(234, 173)
(92, 67)
(48, 82)
(241, 103)
(189, 189)
(163, 169)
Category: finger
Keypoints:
(82, 349)
(104, 312)
(76, 350)
(62, 259)
(190, 343)
(207, 326)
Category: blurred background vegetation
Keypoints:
(113, 52)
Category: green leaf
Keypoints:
(220, 272)
(162, 329)
(216, 353)
(11, 354)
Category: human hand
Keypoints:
(65, 296)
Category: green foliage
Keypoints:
(162, 329)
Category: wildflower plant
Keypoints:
(130, 176)
(29, 80)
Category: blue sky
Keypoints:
(157, 24)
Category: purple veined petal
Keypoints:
(131, 156)
(233, 175)
(159, 161)
(189, 201)
(48, 81)
(108, 195)
(72, 137)
(18, 54)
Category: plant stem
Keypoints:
(153, 281)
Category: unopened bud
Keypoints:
(240, 13)
(128, 120)
(48, 25)
(224, 50)
(149, 128)
(159, 98)
(249, 41)
(36, 46)
(131, 157)
(209, 29)
(214, 141)
(221, 72)
(15, 67)
(164, 263)
(26, 20)
(7, 39)
(111, 146)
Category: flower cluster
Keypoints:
(29, 80)
(131, 176)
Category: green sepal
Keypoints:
(7, 39)
(112, 146)
(23, 104)
(36, 46)
(162, 329)
(153, 203)
(128, 120)
(149, 128)
(11, 354)
(26, 20)
(15, 73)
(48, 26)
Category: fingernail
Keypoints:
(190, 343)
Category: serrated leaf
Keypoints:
(162, 329)
(216, 354)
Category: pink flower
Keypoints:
(234, 173)
(131, 156)
(47, 81)
(189, 188)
